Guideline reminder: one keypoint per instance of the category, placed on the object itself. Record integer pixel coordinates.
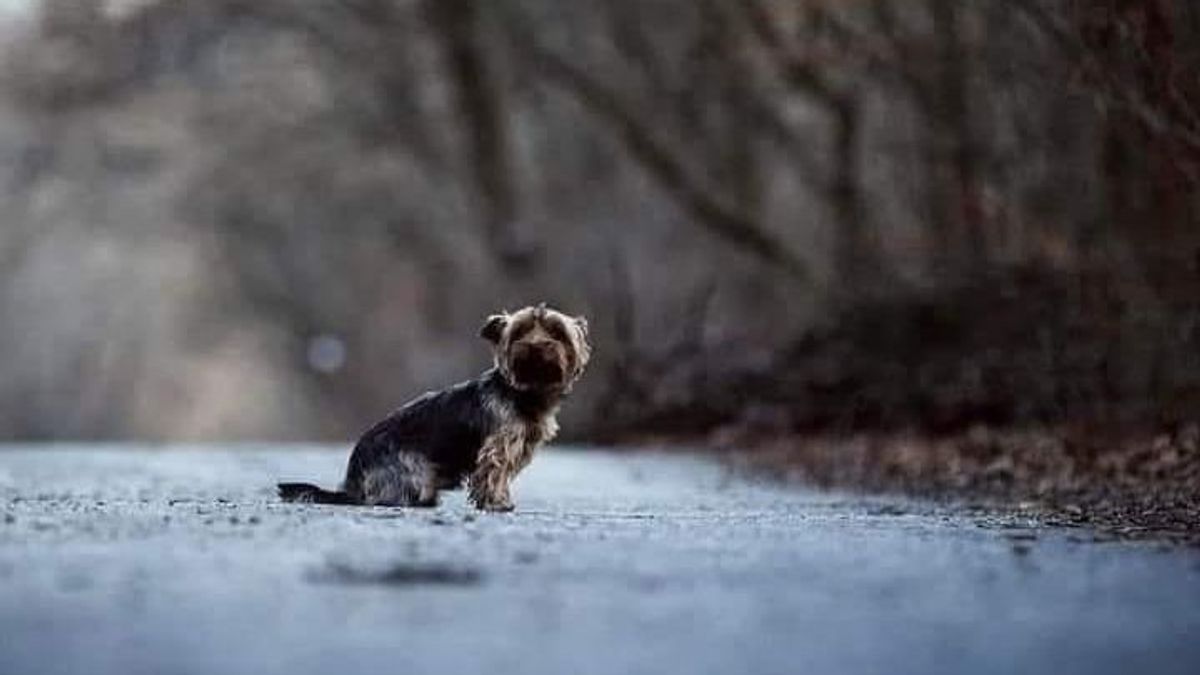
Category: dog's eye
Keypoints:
(521, 331)
(556, 331)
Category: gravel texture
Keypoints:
(180, 560)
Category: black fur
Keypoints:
(307, 492)
(445, 428)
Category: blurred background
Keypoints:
(279, 219)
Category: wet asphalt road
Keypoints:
(176, 561)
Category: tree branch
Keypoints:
(661, 163)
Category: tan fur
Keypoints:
(510, 449)
(531, 325)
(505, 454)
(408, 479)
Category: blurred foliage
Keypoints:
(280, 218)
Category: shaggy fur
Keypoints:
(483, 431)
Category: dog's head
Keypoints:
(538, 348)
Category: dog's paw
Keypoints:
(495, 506)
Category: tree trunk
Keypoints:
(955, 198)
(482, 112)
(857, 259)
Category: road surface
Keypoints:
(180, 560)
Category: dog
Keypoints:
(483, 431)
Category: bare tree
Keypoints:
(660, 154)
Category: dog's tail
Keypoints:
(306, 492)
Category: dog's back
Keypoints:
(443, 429)
(428, 444)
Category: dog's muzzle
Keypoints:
(537, 363)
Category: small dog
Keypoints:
(484, 430)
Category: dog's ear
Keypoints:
(584, 345)
(493, 328)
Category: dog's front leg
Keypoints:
(489, 488)
(494, 470)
